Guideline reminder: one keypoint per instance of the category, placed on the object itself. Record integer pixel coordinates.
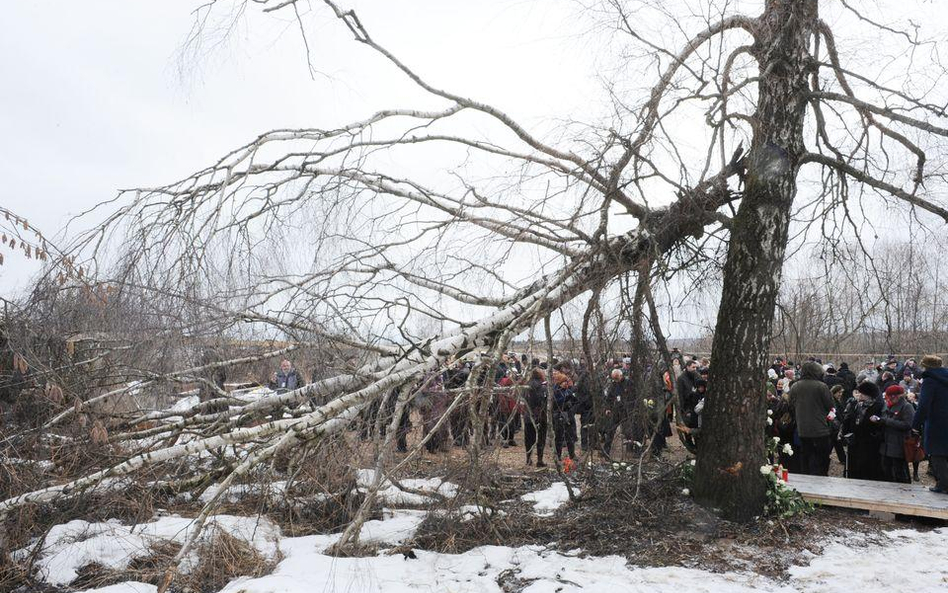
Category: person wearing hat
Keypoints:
(896, 420)
(931, 419)
(908, 382)
(862, 437)
(848, 377)
(911, 368)
(869, 373)
(831, 378)
(690, 402)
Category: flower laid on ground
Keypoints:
(770, 421)
(770, 412)
(685, 492)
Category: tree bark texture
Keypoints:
(732, 447)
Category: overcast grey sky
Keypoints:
(95, 98)
(97, 95)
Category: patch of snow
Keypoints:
(910, 561)
(473, 511)
(395, 527)
(184, 404)
(126, 587)
(42, 464)
(392, 495)
(253, 394)
(238, 491)
(545, 502)
(70, 546)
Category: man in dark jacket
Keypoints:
(932, 417)
(849, 379)
(831, 378)
(813, 404)
(686, 382)
(586, 389)
(616, 397)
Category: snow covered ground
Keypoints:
(898, 561)
(907, 561)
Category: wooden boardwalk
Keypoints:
(900, 499)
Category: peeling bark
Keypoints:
(727, 475)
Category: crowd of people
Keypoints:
(534, 397)
(876, 420)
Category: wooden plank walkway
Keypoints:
(901, 499)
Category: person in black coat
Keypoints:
(861, 436)
(886, 380)
(831, 377)
(460, 420)
(896, 419)
(685, 383)
(849, 379)
(931, 419)
(585, 389)
(616, 395)
(841, 401)
(564, 415)
(690, 401)
(785, 427)
(534, 420)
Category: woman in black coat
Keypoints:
(534, 420)
(861, 436)
(896, 420)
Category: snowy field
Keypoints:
(901, 560)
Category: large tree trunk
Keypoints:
(732, 447)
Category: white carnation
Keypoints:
(788, 449)
(766, 470)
